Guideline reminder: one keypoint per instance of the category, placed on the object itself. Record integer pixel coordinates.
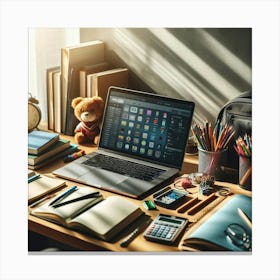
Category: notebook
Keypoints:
(142, 144)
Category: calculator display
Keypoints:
(169, 220)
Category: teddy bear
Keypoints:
(89, 111)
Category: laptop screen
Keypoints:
(146, 126)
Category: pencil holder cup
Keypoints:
(245, 172)
(211, 162)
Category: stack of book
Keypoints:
(83, 72)
(45, 147)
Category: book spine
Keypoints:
(50, 100)
(64, 84)
(57, 101)
(83, 84)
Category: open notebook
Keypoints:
(103, 218)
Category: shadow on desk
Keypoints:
(40, 243)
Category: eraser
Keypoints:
(149, 205)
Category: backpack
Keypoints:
(237, 113)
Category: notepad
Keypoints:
(210, 235)
(42, 186)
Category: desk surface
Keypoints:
(86, 242)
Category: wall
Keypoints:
(207, 66)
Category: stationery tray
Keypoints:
(195, 205)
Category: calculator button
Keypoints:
(168, 236)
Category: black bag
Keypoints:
(238, 113)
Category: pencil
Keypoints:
(229, 138)
(220, 138)
(246, 176)
(41, 200)
(196, 137)
(211, 137)
(214, 140)
(244, 146)
(244, 217)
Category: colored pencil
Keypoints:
(213, 139)
(246, 176)
(243, 146)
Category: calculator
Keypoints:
(165, 229)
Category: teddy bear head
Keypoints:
(88, 109)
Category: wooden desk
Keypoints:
(86, 242)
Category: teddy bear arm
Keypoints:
(78, 128)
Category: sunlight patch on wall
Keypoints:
(227, 57)
(190, 58)
(182, 84)
(162, 73)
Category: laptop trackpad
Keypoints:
(101, 178)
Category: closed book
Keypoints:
(50, 96)
(71, 120)
(57, 100)
(43, 186)
(101, 81)
(39, 141)
(87, 70)
(210, 233)
(71, 149)
(104, 220)
(57, 147)
(31, 173)
(74, 57)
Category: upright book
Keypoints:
(101, 81)
(39, 141)
(211, 233)
(74, 91)
(50, 95)
(87, 70)
(103, 219)
(74, 57)
(57, 100)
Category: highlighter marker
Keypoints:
(74, 156)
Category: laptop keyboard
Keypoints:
(124, 167)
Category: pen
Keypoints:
(63, 195)
(245, 218)
(134, 234)
(41, 200)
(90, 195)
(33, 178)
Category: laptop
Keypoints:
(142, 144)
